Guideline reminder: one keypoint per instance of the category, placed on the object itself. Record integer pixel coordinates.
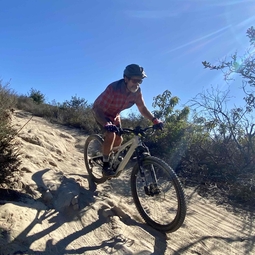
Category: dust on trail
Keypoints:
(66, 215)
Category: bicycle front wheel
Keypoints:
(93, 158)
(161, 202)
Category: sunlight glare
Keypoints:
(200, 39)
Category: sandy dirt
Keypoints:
(62, 214)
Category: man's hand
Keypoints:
(111, 127)
(157, 124)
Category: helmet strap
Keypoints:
(125, 78)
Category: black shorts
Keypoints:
(102, 127)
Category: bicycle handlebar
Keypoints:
(137, 130)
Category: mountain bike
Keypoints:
(156, 190)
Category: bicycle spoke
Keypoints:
(161, 207)
(93, 158)
(160, 198)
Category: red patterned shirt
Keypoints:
(115, 99)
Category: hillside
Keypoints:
(62, 214)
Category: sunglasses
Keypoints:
(136, 81)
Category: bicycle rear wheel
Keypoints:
(93, 158)
(161, 203)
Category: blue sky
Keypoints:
(65, 48)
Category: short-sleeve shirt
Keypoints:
(116, 98)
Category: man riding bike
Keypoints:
(118, 96)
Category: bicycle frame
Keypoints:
(133, 143)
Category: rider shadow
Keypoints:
(61, 193)
(59, 208)
(60, 246)
(86, 198)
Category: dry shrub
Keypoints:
(9, 161)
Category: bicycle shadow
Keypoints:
(58, 218)
(64, 191)
(60, 246)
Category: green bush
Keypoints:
(73, 113)
(25, 103)
(9, 161)
(37, 96)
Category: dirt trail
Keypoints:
(66, 216)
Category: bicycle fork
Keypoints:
(150, 188)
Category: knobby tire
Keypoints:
(92, 146)
(171, 202)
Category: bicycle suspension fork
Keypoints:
(151, 188)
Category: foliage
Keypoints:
(74, 113)
(8, 98)
(226, 125)
(37, 96)
(165, 104)
(172, 142)
(77, 113)
(26, 103)
(225, 159)
(9, 161)
(243, 66)
(76, 103)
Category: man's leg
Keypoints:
(109, 142)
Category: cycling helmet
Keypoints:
(134, 70)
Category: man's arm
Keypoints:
(145, 112)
